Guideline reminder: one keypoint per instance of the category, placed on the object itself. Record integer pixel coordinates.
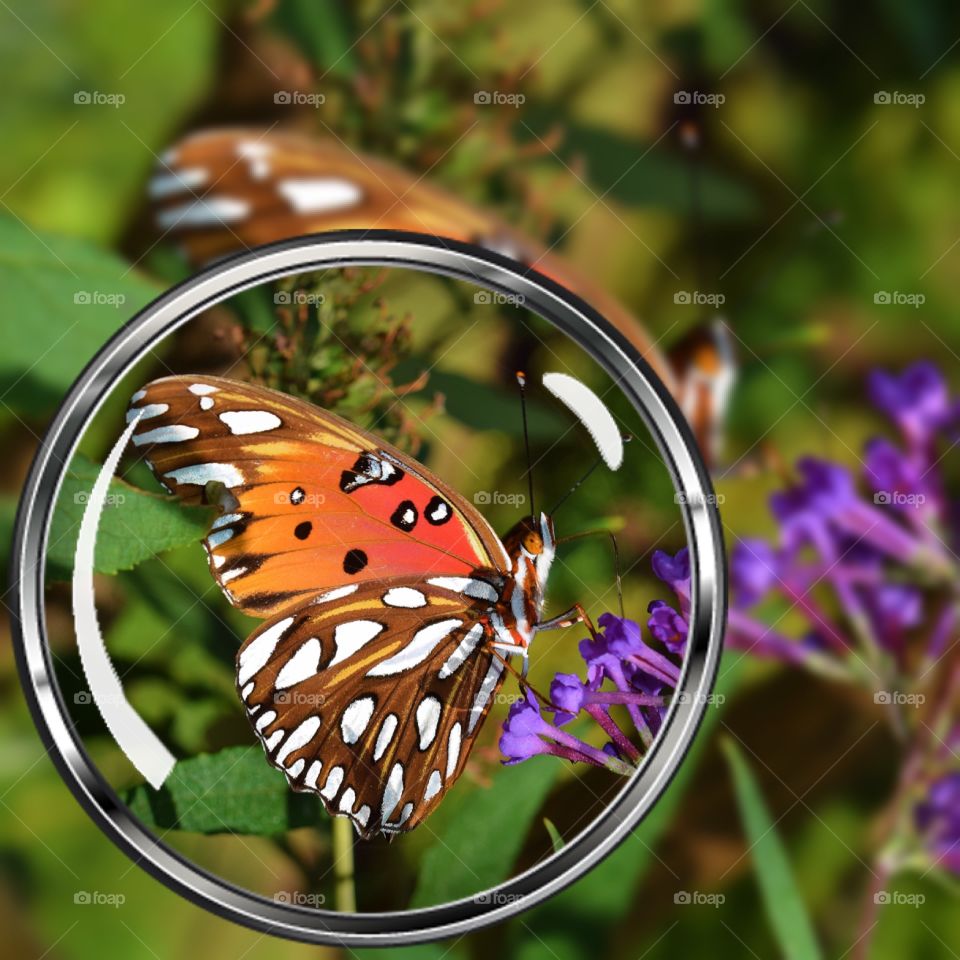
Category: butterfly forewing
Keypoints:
(307, 501)
(373, 695)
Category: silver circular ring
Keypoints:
(585, 327)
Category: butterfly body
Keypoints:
(390, 606)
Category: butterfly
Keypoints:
(389, 604)
(220, 191)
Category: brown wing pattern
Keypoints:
(308, 501)
(372, 696)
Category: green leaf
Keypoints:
(60, 299)
(555, 838)
(233, 791)
(134, 525)
(464, 860)
(778, 889)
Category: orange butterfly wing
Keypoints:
(308, 501)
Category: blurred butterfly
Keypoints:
(390, 605)
(218, 192)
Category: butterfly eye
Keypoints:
(533, 543)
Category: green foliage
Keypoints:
(233, 791)
(464, 859)
(60, 300)
(778, 889)
(134, 526)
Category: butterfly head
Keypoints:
(532, 542)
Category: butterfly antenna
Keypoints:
(596, 463)
(522, 382)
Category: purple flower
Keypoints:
(937, 819)
(673, 571)
(917, 400)
(754, 570)
(569, 693)
(667, 626)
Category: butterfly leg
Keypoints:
(576, 614)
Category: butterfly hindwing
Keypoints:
(307, 501)
(372, 695)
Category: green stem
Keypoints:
(344, 894)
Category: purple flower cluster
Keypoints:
(875, 547)
(872, 570)
(622, 670)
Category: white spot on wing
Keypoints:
(363, 815)
(347, 800)
(337, 593)
(392, 792)
(265, 719)
(301, 666)
(404, 597)
(225, 520)
(453, 749)
(275, 738)
(468, 586)
(428, 717)
(334, 779)
(466, 646)
(424, 641)
(247, 690)
(387, 730)
(230, 574)
(591, 411)
(254, 656)
(355, 719)
(300, 737)
(145, 413)
(294, 770)
(208, 212)
(320, 194)
(206, 403)
(218, 538)
(202, 389)
(137, 397)
(242, 422)
(311, 778)
(177, 181)
(433, 786)
(203, 473)
(175, 433)
(483, 694)
(350, 637)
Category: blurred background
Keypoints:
(791, 168)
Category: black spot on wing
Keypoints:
(354, 561)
